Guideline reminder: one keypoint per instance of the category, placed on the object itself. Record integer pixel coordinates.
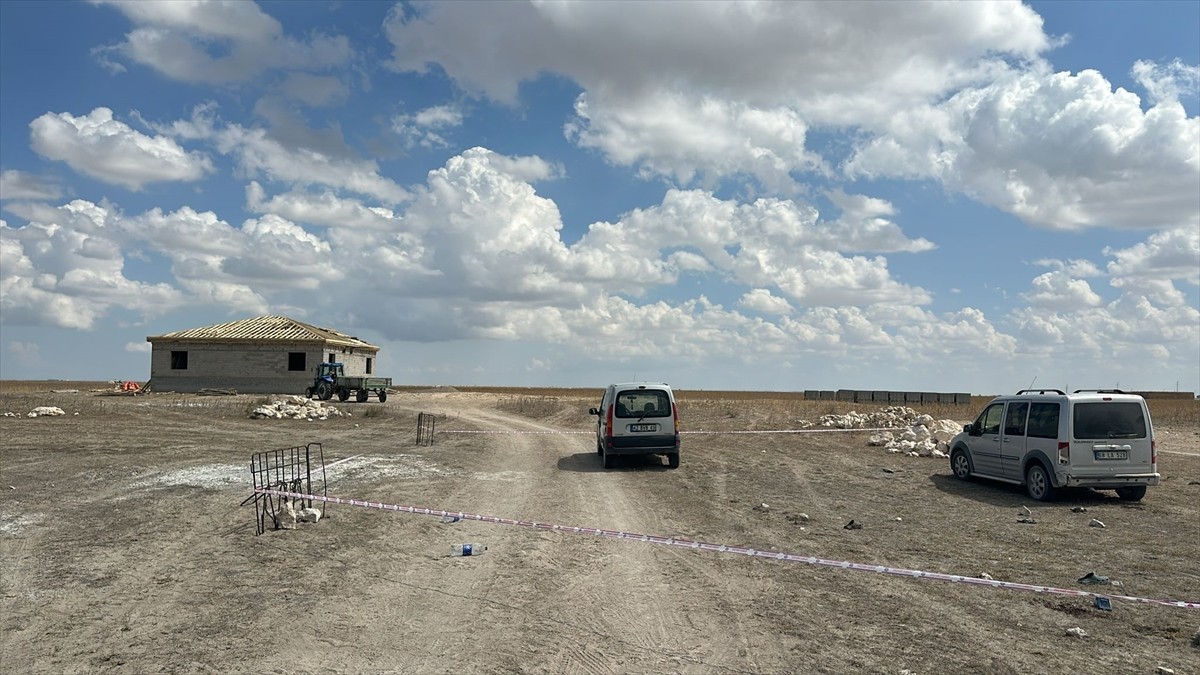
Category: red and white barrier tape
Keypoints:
(764, 431)
(722, 548)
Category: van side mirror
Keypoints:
(593, 411)
(971, 429)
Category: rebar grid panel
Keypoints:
(425, 428)
(285, 469)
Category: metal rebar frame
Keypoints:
(425, 428)
(287, 470)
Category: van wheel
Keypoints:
(960, 464)
(673, 460)
(599, 447)
(1037, 483)
(609, 460)
(1132, 493)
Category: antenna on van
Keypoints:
(1031, 382)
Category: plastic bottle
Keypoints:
(468, 549)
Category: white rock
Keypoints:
(1163, 670)
(1095, 523)
(308, 515)
(882, 438)
(938, 453)
(924, 420)
(985, 575)
(46, 411)
(285, 519)
(925, 448)
(1077, 632)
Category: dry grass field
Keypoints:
(124, 547)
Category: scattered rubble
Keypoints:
(917, 435)
(297, 408)
(1077, 632)
(891, 417)
(46, 411)
(1095, 523)
(852, 526)
(123, 388)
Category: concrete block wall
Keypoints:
(247, 368)
(886, 397)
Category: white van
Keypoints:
(637, 418)
(1046, 439)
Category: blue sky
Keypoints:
(788, 196)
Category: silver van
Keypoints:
(637, 418)
(1046, 439)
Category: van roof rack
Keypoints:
(1099, 391)
(1041, 391)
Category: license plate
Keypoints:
(1112, 454)
(643, 427)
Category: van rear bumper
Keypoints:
(1112, 482)
(642, 445)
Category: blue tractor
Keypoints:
(331, 379)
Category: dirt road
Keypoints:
(124, 550)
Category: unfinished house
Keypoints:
(263, 355)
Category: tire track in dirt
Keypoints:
(644, 620)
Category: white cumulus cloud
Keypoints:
(217, 42)
(111, 151)
(1058, 150)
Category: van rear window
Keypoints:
(1109, 420)
(643, 403)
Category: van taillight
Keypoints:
(609, 433)
(1153, 453)
(1064, 452)
(675, 414)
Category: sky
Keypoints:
(949, 196)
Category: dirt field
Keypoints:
(123, 548)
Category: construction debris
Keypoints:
(124, 388)
(297, 408)
(46, 411)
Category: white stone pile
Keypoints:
(46, 411)
(926, 437)
(896, 417)
(296, 408)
